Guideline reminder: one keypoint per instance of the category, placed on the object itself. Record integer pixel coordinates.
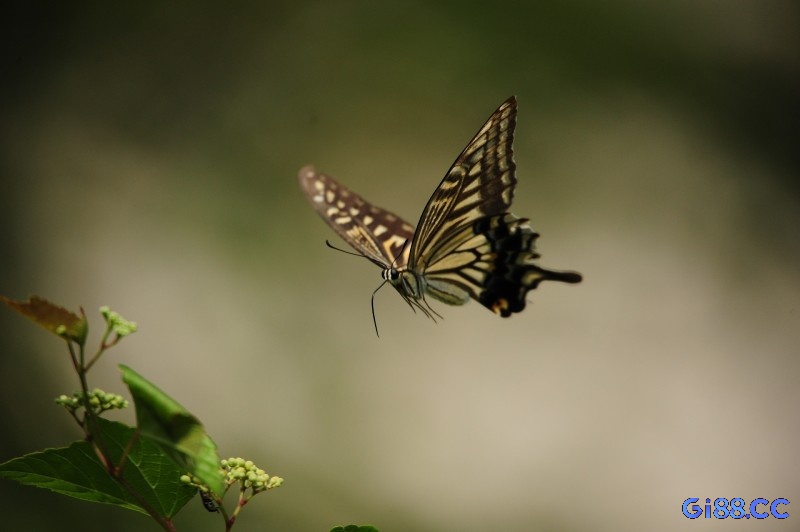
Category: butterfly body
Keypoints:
(466, 244)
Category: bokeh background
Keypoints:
(149, 159)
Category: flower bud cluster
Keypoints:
(117, 323)
(98, 400)
(250, 476)
(242, 471)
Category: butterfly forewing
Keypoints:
(479, 183)
(376, 233)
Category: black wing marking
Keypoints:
(492, 262)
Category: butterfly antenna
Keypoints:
(377, 263)
(399, 253)
(372, 302)
(328, 243)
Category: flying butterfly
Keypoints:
(466, 244)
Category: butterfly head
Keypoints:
(404, 281)
(411, 287)
(391, 274)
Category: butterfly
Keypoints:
(466, 244)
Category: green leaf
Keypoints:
(55, 319)
(76, 471)
(354, 528)
(179, 434)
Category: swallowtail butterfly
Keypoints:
(466, 244)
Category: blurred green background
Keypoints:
(149, 160)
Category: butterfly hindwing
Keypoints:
(374, 232)
(503, 271)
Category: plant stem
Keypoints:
(102, 348)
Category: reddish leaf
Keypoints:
(55, 319)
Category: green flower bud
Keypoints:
(118, 324)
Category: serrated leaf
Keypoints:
(77, 472)
(354, 528)
(55, 319)
(179, 434)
